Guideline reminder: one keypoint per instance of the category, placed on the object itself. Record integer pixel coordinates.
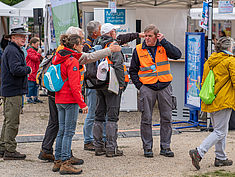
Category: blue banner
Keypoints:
(118, 18)
(194, 60)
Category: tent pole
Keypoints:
(210, 4)
(79, 24)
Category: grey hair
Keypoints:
(153, 28)
(92, 26)
(224, 43)
(74, 30)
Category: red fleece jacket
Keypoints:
(71, 91)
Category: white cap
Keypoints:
(107, 27)
(102, 70)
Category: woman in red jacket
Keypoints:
(67, 101)
(33, 61)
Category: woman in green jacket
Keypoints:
(222, 63)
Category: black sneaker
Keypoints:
(37, 101)
(114, 153)
(148, 153)
(196, 158)
(220, 163)
(167, 152)
(31, 101)
(13, 156)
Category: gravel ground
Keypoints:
(34, 121)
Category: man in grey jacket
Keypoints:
(108, 103)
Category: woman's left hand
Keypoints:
(85, 110)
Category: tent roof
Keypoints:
(6, 10)
(26, 6)
(145, 3)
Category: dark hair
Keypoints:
(33, 40)
(223, 34)
(70, 40)
(4, 42)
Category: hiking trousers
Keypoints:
(146, 102)
(108, 104)
(11, 111)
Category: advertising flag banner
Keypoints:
(225, 7)
(64, 15)
(205, 16)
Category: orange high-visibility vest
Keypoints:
(82, 71)
(162, 66)
(88, 42)
(124, 66)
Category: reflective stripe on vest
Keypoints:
(88, 42)
(82, 71)
(151, 72)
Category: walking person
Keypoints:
(33, 58)
(94, 31)
(150, 72)
(14, 85)
(46, 152)
(67, 101)
(222, 62)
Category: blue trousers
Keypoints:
(67, 114)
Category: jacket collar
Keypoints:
(14, 44)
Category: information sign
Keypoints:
(194, 60)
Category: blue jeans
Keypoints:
(33, 89)
(67, 115)
(89, 121)
(88, 124)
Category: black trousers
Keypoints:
(52, 127)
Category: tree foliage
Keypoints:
(11, 2)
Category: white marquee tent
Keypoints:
(26, 7)
(7, 11)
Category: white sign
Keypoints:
(225, 7)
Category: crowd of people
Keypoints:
(150, 73)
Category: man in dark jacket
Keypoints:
(108, 103)
(150, 72)
(14, 85)
(94, 31)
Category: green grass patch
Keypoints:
(218, 173)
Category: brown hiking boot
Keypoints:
(220, 163)
(114, 153)
(75, 160)
(196, 158)
(13, 156)
(46, 156)
(89, 147)
(68, 168)
(100, 151)
(57, 165)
